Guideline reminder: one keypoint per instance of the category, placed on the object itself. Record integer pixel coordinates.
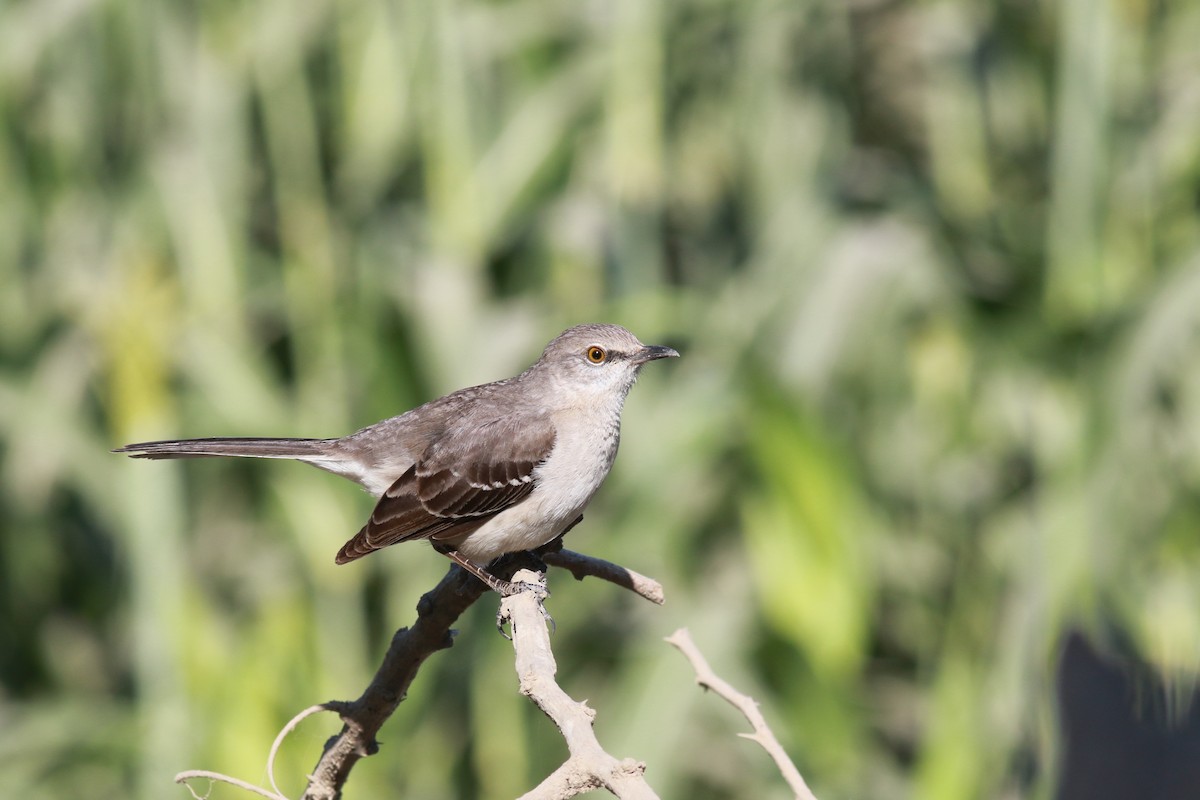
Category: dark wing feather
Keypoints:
(464, 479)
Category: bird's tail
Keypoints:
(246, 448)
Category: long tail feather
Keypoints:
(247, 448)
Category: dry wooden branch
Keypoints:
(582, 566)
(745, 704)
(362, 718)
(588, 766)
(193, 774)
(184, 777)
(437, 610)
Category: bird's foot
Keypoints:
(509, 588)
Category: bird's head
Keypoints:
(599, 359)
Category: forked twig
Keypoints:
(437, 610)
(192, 774)
(744, 703)
(588, 766)
(184, 777)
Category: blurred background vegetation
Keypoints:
(934, 268)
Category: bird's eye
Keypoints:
(596, 354)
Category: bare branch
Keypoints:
(582, 566)
(184, 777)
(291, 726)
(589, 766)
(762, 732)
(574, 778)
(436, 612)
(192, 774)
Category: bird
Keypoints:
(493, 469)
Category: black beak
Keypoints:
(652, 352)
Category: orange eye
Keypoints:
(596, 354)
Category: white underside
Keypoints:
(512, 531)
(566, 481)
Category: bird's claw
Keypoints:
(510, 588)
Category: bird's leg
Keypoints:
(498, 585)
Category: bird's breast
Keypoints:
(583, 454)
(564, 483)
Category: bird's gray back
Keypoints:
(384, 451)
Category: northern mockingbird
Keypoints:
(493, 469)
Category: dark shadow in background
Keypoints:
(1121, 740)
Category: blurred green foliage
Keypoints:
(934, 268)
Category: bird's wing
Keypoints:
(465, 478)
